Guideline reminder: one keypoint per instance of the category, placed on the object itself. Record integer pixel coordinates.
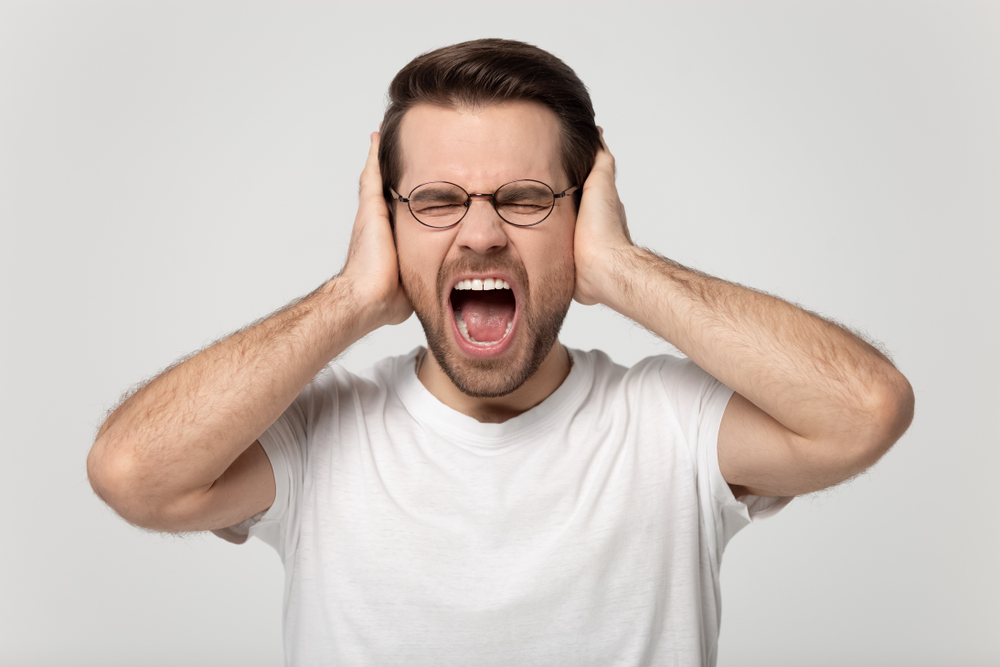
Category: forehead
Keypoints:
(481, 149)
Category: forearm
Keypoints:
(812, 376)
(179, 433)
(815, 404)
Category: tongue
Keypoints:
(487, 318)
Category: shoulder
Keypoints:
(664, 371)
(388, 372)
(336, 389)
(661, 387)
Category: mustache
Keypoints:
(502, 262)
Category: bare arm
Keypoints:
(814, 404)
(181, 453)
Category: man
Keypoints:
(501, 500)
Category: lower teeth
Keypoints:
(464, 328)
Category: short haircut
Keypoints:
(485, 72)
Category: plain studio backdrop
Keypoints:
(170, 172)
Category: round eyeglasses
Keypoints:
(522, 203)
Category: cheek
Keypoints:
(413, 274)
(408, 249)
(556, 266)
(561, 252)
(567, 271)
(419, 264)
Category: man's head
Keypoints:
(479, 115)
(486, 72)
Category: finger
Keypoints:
(604, 166)
(371, 175)
(604, 144)
(371, 163)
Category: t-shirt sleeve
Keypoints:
(699, 401)
(286, 444)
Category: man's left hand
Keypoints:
(814, 404)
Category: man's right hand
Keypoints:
(371, 266)
(182, 453)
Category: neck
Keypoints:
(553, 371)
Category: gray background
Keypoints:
(172, 171)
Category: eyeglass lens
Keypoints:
(444, 204)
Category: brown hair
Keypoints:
(485, 72)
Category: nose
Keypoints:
(481, 230)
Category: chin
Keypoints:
(497, 376)
(498, 368)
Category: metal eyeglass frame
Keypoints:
(405, 200)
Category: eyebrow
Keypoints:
(439, 191)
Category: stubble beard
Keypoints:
(537, 329)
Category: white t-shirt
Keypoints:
(588, 530)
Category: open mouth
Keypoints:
(484, 310)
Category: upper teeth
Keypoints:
(477, 284)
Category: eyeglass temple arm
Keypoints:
(567, 191)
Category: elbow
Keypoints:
(895, 408)
(904, 403)
(888, 414)
(140, 493)
(119, 481)
(112, 476)
(99, 471)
